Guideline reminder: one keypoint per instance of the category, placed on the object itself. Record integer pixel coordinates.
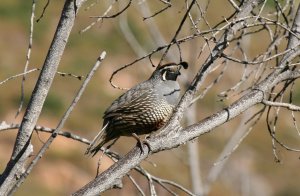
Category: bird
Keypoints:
(143, 109)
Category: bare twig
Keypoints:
(7, 126)
(162, 182)
(262, 61)
(234, 5)
(261, 9)
(154, 30)
(61, 123)
(136, 185)
(18, 75)
(44, 11)
(177, 31)
(289, 106)
(27, 57)
(116, 14)
(293, 115)
(63, 74)
(98, 19)
(168, 5)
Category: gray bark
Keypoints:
(23, 148)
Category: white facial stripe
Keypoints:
(171, 67)
(164, 76)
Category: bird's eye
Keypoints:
(170, 75)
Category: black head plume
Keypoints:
(184, 64)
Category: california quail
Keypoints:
(144, 108)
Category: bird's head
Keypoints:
(169, 71)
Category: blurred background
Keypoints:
(250, 170)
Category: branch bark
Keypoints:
(23, 148)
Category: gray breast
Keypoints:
(169, 91)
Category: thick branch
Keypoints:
(15, 166)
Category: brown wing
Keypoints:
(128, 99)
(142, 115)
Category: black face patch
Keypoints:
(170, 75)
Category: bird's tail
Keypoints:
(97, 142)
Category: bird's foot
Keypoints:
(141, 142)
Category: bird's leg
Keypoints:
(141, 142)
(145, 141)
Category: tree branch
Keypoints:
(60, 125)
(22, 145)
(289, 106)
(5, 126)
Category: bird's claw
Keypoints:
(140, 143)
